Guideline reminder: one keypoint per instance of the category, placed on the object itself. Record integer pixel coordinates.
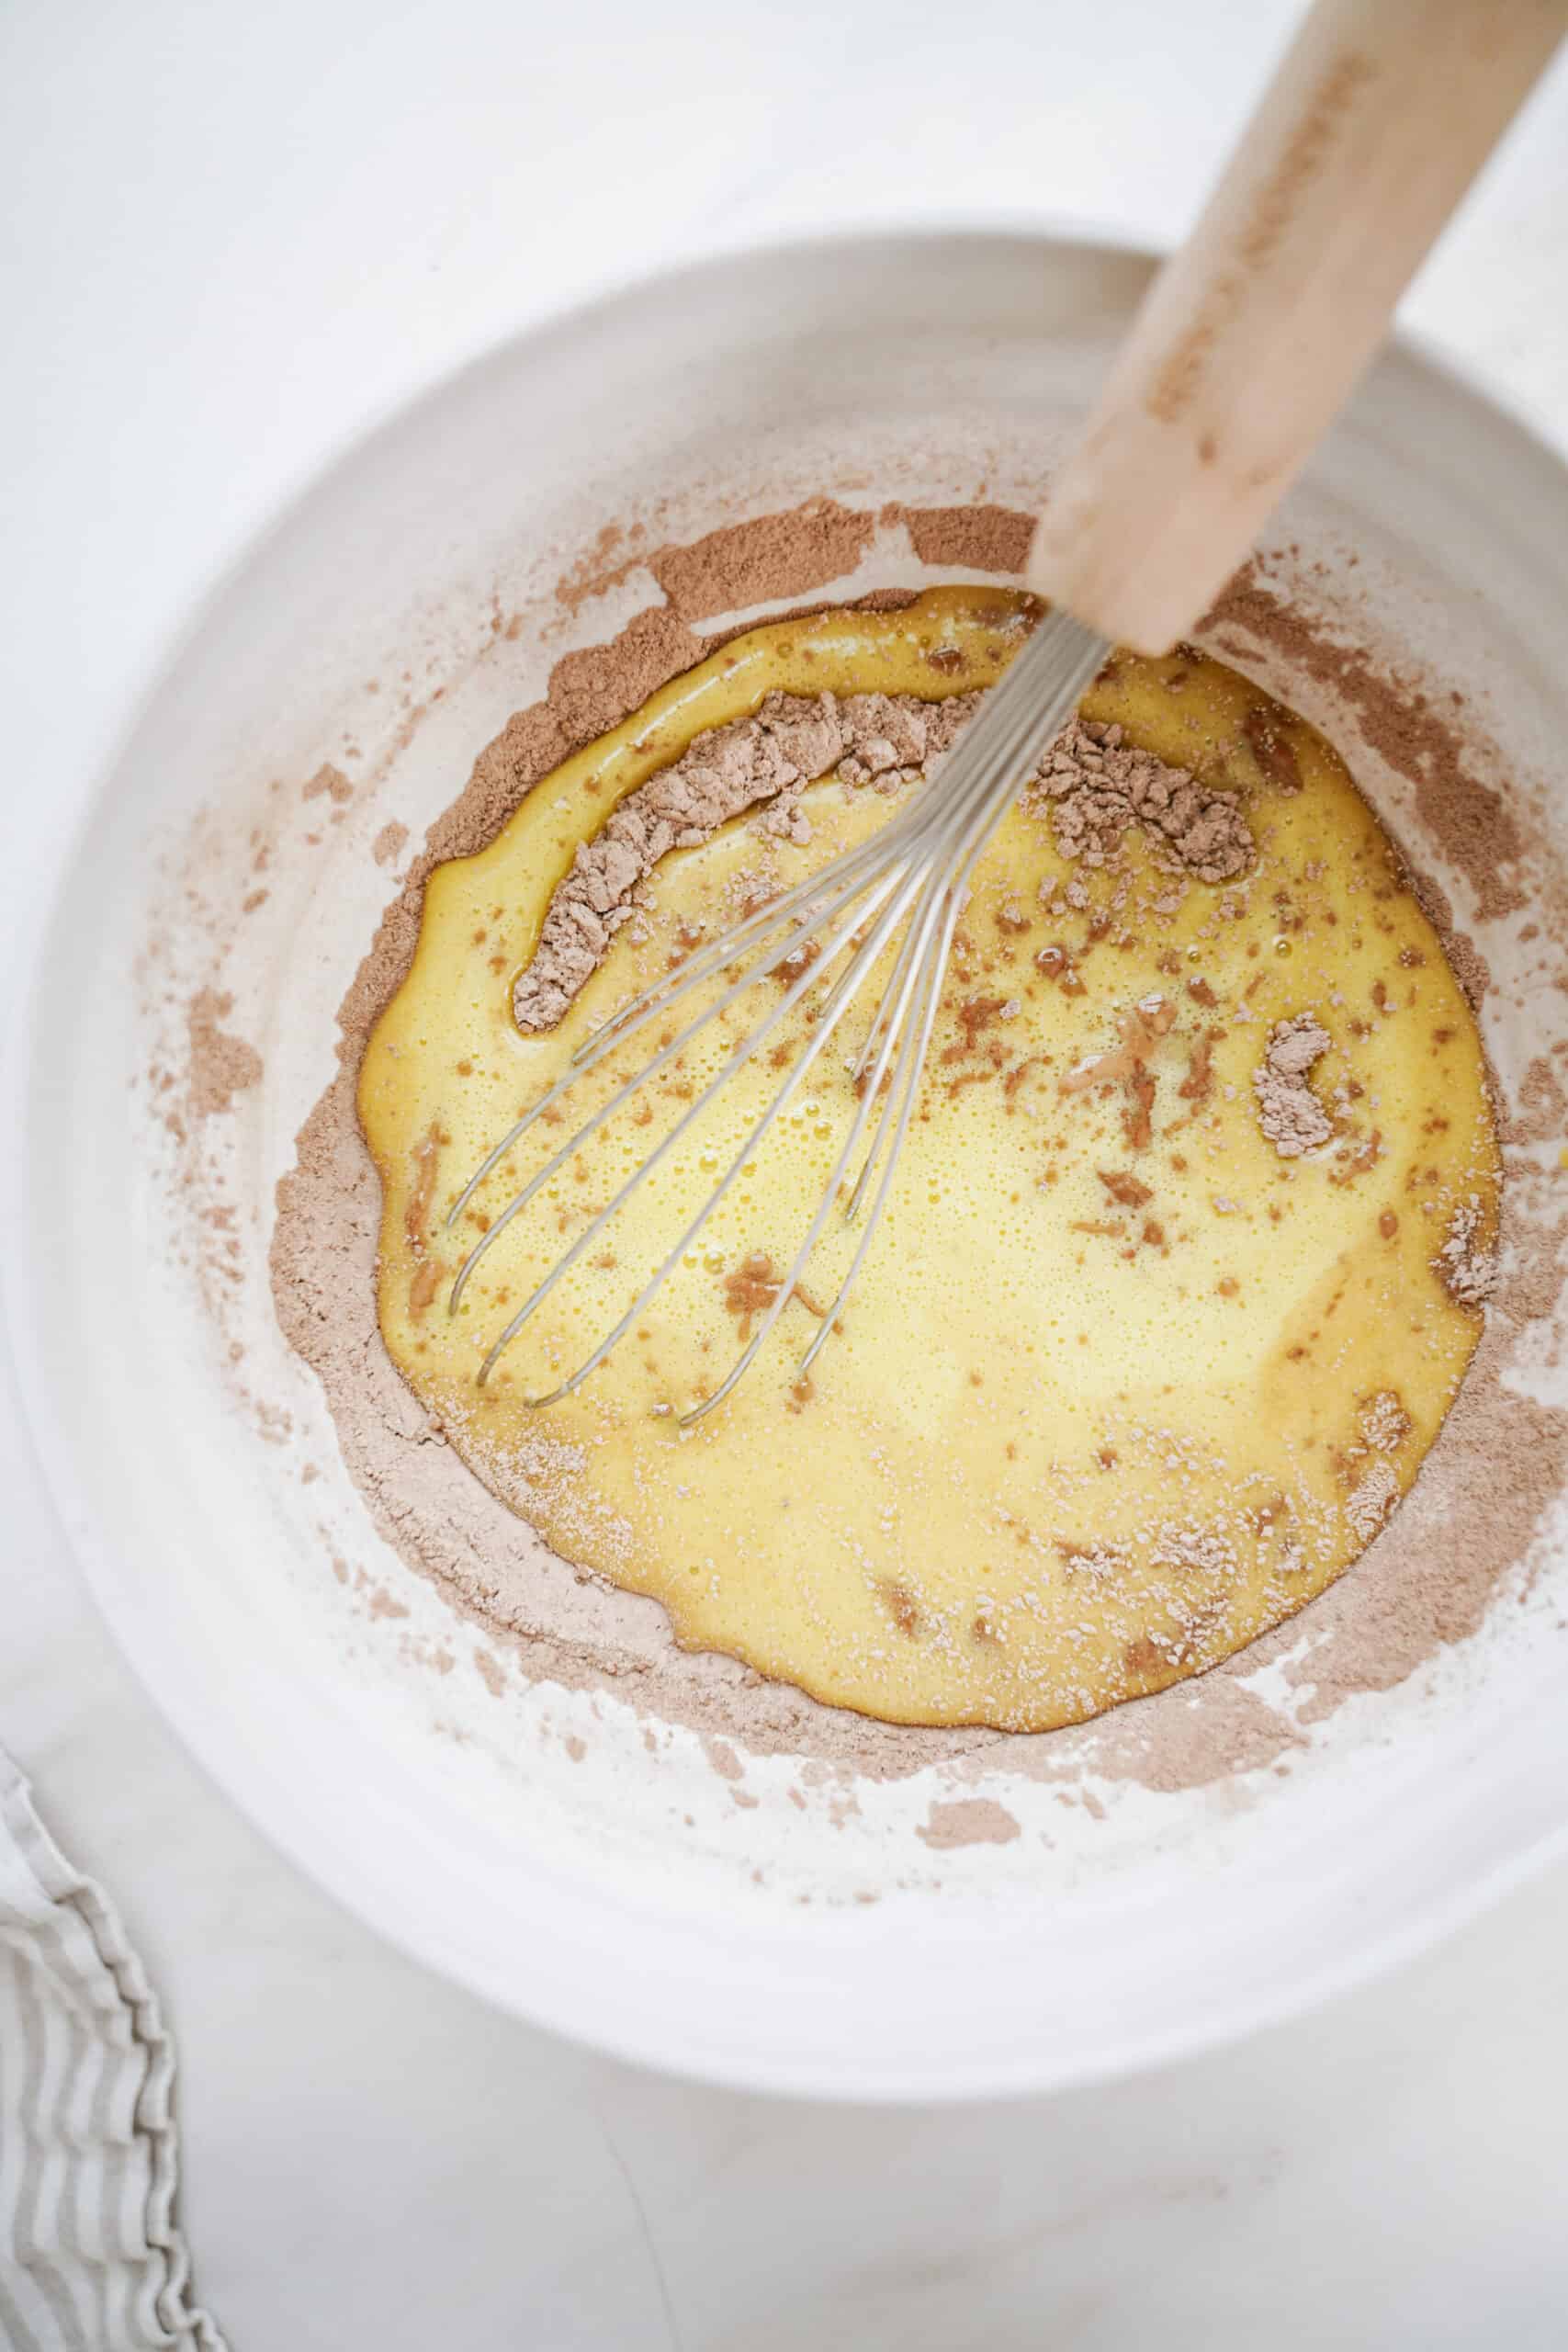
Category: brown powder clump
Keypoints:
(1464, 1265)
(1099, 786)
(767, 759)
(968, 1821)
(794, 551)
(1541, 1115)
(221, 1066)
(1294, 1119)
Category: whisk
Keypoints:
(1247, 343)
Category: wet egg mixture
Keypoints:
(1158, 1323)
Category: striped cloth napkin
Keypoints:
(91, 2257)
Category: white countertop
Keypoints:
(235, 236)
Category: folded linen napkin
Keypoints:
(91, 2257)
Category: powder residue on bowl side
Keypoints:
(1465, 1266)
(221, 1064)
(764, 761)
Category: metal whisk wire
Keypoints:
(913, 872)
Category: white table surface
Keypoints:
(232, 236)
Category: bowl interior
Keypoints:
(1027, 1921)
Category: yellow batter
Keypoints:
(1101, 1408)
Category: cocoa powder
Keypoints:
(888, 741)
(1097, 786)
(1464, 1265)
(1291, 1114)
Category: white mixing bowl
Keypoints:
(619, 1888)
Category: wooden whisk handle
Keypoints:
(1253, 334)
